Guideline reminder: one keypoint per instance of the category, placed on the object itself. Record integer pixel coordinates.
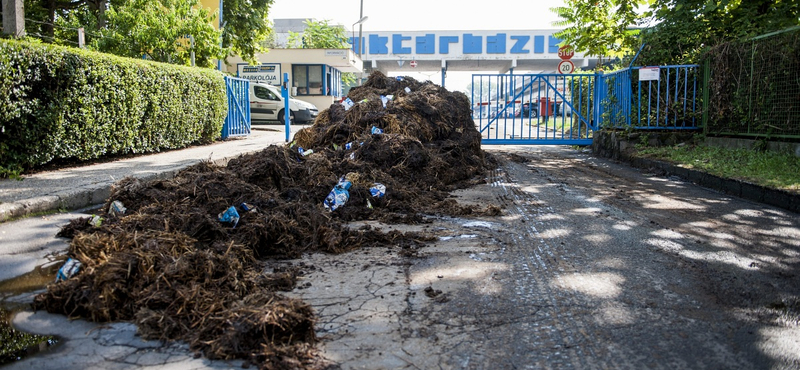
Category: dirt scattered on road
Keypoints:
(172, 267)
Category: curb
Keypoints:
(738, 188)
(619, 146)
(86, 196)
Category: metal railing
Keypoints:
(660, 98)
(237, 122)
(533, 108)
(568, 108)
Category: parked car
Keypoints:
(561, 107)
(266, 104)
(529, 110)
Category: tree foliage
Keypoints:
(246, 27)
(322, 35)
(685, 27)
(245, 22)
(160, 30)
(603, 28)
(319, 35)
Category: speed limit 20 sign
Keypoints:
(566, 67)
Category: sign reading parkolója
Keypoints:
(268, 73)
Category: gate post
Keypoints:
(706, 80)
(599, 97)
(13, 18)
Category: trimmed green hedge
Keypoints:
(73, 104)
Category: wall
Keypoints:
(733, 143)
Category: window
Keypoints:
(316, 79)
(264, 93)
(300, 79)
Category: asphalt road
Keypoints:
(592, 265)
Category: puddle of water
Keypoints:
(466, 236)
(485, 224)
(31, 281)
(16, 345)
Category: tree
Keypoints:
(599, 27)
(160, 30)
(246, 27)
(319, 35)
(685, 27)
(322, 35)
(48, 17)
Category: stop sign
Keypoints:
(566, 52)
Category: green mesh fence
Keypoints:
(754, 86)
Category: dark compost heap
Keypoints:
(173, 268)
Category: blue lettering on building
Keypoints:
(444, 43)
(426, 44)
(538, 44)
(397, 44)
(377, 44)
(519, 45)
(500, 43)
(496, 44)
(356, 42)
(553, 44)
(473, 44)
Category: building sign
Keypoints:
(649, 74)
(454, 44)
(264, 73)
(335, 53)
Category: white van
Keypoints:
(266, 104)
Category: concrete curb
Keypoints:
(738, 188)
(82, 197)
(82, 187)
(619, 147)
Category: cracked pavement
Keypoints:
(592, 265)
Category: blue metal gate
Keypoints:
(237, 122)
(535, 109)
(565, 109)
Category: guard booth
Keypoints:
(315, 75)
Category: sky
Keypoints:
(425, 15)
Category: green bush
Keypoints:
(72, 104)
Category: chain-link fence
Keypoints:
(753, 86)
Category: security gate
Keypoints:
(237, 122)
(535, 109)
(566, 109)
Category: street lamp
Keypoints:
(362, 20)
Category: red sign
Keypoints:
(566, 52)
(413, 63)
(566, 67)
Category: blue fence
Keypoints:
(534, 108)
(642, 98)
(568, 108)
(237, 123)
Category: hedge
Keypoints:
(59, 103)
